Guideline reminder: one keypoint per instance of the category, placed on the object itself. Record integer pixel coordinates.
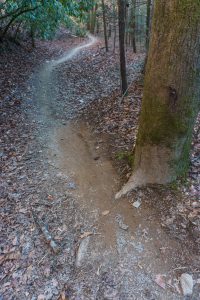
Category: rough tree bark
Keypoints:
(121, 15)
(171, 95)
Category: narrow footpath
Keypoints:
(108, 249)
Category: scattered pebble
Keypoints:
(120, 222)
(187, 284)
(71, 185)
(137, 204)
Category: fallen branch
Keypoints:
(56, 249)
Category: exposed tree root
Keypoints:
(135, 181)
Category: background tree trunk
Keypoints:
(104, 25)
(121, 15)
(109, 31)
(148, 19)
(89, 20)
(114, 25)
(17, 31)
(132, 25)
(32, 35)
(148, 31)
(93, 19)
(171, 95)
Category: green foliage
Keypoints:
(42, 17)
(127, 156)
(173, 185)
(80, 31)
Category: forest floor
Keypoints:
(66, 138)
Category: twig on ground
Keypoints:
(42, 259)
(56, 249)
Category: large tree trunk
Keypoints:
(121, 13)
(171, 95)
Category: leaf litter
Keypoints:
(29, 268)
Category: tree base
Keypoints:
(135, 181)
(153, 167)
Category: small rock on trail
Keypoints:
(82, 251)
(187, 284)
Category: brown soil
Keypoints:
(65, 173)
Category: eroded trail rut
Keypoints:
(110, 250)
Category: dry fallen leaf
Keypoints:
(41, 297)
(23, 210)
(160, 280)
(62, 296)
(105, 212)
(50, 197)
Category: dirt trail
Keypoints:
(126, 248)
(46, 90)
